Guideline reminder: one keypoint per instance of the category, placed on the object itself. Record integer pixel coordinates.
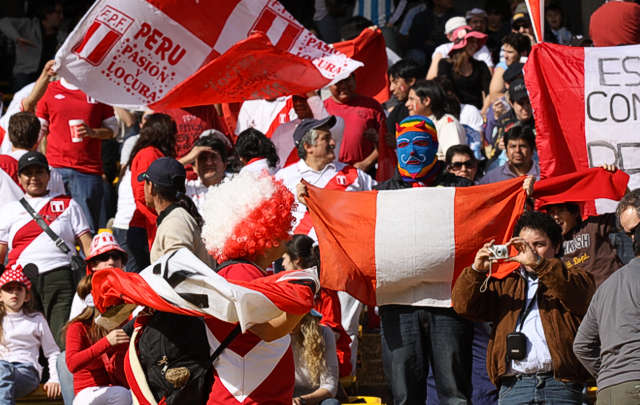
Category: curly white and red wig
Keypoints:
(246, 216)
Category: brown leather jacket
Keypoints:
(563, 300)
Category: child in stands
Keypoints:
(23, 333)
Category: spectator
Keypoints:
(607, 340)
(516, 112)
(554, 16)
(36, 39)
(314, 355)
(615, 23)
(210, 166)
(428, 30)
(427, 98)
(24, 131)
(24, 333)
(252, 231)
(443, 50)
(461, 162)
(317, 166)
(409, 332)
(477, 19)
(54, 287)
(497, 28)
(95, 356)
(470, 77)
(303, 253)
(78, 160)
(586, 244)
(157, 139)
(543, 302)
(521, 23)
(515, 48)
(364, 123)
(256, 152)
(179, 222)
(519, 144)
(402, 75)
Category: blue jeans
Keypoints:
(134, 242)
(66, 379)
(413, 338)
(538, 389)
(86, 190)
(330, 401)
(16, 381)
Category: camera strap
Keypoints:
(526, 306)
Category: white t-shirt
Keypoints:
(450, 133)
(328, 379)
(126, 203)
(483, 54)
(127, 147)
(22, 337)
(14, 107)
(28, 243)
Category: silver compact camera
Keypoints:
(499, 252)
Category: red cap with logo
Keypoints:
(104, 242)
(15, 274)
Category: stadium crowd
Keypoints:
(87, 186)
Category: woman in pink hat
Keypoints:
(469, 76)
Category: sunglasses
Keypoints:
(106, 256)
(469, 164)
(517, 26)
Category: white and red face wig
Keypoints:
(246, 216)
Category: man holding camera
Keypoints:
(535, 310)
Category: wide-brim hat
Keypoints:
(462, 35)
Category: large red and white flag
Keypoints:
(133, 52)
(587, 110)
(536, 13)
(180, 283)
(408, 246)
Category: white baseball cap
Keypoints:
(454, 23)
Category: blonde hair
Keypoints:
(309, 348)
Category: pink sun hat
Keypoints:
(461, 36)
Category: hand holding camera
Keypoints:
(490, 253)
(527, 255)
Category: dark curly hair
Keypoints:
(252, 143)
(542, 222)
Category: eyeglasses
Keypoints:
(469, 164)
(106, 256)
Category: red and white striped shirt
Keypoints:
(28, 243)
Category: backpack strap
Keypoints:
(229, 263)
(226, 342)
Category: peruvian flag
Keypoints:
(536, 12)
(411, 244)
(135, 52)
(587, 110)
(180, 283)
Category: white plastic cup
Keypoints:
(74, 125)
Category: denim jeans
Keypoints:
(134, 242)
(16, 381)
(66, 379)
(86, 190)
(413, 338)
(538, 389)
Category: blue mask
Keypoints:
(417, 146)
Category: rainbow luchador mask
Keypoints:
(417, 145)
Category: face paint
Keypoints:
(417, 146)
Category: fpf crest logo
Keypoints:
(105, 31)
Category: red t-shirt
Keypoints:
(359, 113)
(274, 383)
(59, 105)
(10, 166)
(89, 362)
(143, 216)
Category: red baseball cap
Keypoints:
(15, 274)
(104, 242)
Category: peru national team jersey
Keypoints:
(28, 243)
(61, 104)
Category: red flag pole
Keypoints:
(536, 11)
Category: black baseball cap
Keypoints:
(308, 124)
(165, 172)
(513, 72)
(32, 159)
(517, 90)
